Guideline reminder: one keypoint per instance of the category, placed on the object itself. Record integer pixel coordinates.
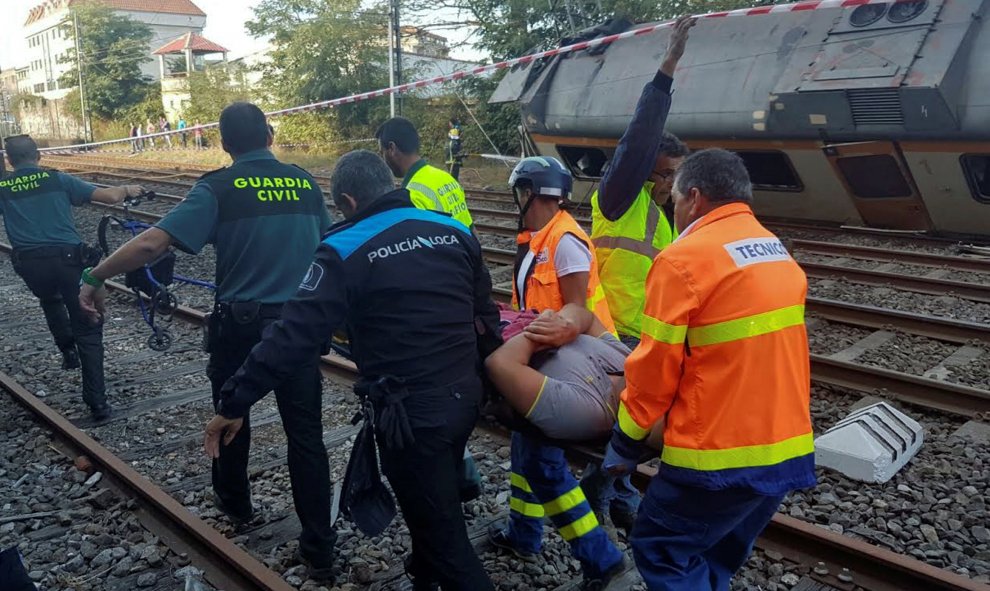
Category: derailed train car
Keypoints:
(876, 116)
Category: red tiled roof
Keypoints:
(160, 6)
(194, 41)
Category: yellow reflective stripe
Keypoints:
(538, 395)
(750, 456)
(744, 328)
(672, 334)
(565, 502)
(629, 426)
(580, 527)
(526, 509)
(519, 482)
(426, 192)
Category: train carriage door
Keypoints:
(880, 184)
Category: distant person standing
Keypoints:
(454, 145)
(49, 256)
(138, 132)
(165, 126)
(182, 127)
(198, 136)
(151, 130)
(133, 134)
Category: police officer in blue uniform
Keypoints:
(411, 286)
(49, 255)
(265, 219)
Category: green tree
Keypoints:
(324, 49)
(113, 48)
(212, 90)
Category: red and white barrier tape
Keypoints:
(526, 59)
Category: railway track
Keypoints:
(973, 284)
(835, 369)
(871, 568)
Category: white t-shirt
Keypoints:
(572, 256)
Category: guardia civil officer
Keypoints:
(36, 205)
(265, 219)
(724, 357)
(430, 187)
(410, 285)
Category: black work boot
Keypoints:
(101, 412)
(602, 581)
(320, 570)
(70, 358)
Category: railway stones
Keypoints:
(871, 444)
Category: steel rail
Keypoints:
(908, 257)
(940, 287)
(875, 568)
(933, 327)
(226, 565)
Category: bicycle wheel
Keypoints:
(112, 234)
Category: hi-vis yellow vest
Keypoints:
(434, 189)
(626, 249)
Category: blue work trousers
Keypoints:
(693, 539)
(543, 486)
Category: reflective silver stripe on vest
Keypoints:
(428, 193)
(644, 247)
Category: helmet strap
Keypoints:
(523, 208)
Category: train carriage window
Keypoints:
(771, 171)
(977, 170)
(583, 161)
(874, 176)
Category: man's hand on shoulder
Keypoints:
(551, 330)
(676, 43)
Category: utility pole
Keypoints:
(87, 135)
(394, 56)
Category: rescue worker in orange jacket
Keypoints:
(555, 266)
(724, 357)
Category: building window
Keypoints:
(584, 162)
(976, 167)
(51, 85)
(39, 88)
(873, 177)
(771, 171)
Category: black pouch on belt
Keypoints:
(89, 255)
(392, 423)
(245, 313)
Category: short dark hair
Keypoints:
(401, 132)
(21, 149)
(361, 174)
(671, 146)
(243, 128)
(718, 174)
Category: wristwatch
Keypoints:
(88, 278)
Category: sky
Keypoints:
(224, 25)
